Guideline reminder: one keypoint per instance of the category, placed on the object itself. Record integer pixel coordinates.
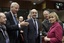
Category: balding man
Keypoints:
(31, 33)
(45, 24)
(13, 26)
(4, 38)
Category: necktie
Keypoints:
(35, 28)
(16, 22)
(5, 33)
(35, 24)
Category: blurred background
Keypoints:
(40, 5)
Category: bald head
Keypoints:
(14, 7)
(2, 14)
(2, 18)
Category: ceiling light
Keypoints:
(34, 3)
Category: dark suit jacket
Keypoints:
(11, 27)
(29, 32)
(45, 27)
(2, 39)
(55, 33)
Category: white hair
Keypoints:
(13, 4)
(33, 10)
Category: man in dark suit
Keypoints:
(45, 24)
(32, 33)
(4, 38)
(13, 26)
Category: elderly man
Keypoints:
(46, 25)
(32, 30)
(13, 26)
(3, 34)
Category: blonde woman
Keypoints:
(55, 32)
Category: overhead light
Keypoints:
(10, 1)
(34, 3)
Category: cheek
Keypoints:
(53, 20)
(3, 20)
(14, 9)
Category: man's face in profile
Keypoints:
(3, 19)
(15, 8)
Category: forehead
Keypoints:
(46, 12)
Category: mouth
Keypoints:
(34, 15)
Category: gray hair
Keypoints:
(33, 10)
(13, 4)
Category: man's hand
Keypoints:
(24, 23)
(21, 31)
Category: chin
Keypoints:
(4, 23)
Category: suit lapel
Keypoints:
(11, 17)
(32, 22)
